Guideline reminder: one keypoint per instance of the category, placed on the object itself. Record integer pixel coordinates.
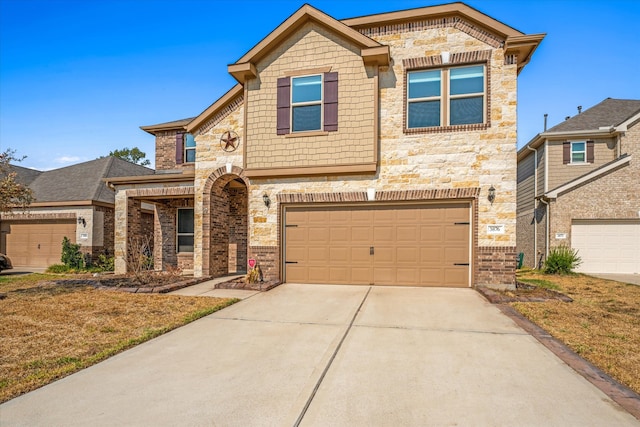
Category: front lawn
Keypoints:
(49, 331)
(602, 324)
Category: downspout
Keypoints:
(547, 228)
(535, 193)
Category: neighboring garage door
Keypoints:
(36, 244)
(412, 245)
(607, 246)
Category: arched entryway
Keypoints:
(225, 223)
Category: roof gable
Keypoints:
(371, 51)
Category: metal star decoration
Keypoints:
(229, 141)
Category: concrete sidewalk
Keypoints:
(330, 355)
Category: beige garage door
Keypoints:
(607, 246)
(412, 245)
(36, 244)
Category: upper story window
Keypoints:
(184, 227)
(185, 148)
(446, 97)
(189, 148)
(307, 103)
(578, 152)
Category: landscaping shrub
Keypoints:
(58, 268)
(562, 260)
(105, 263)
(71, 255)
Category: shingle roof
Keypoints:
(610, 112)
(24, 176)
(83, 181)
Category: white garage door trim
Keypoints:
(607, 246)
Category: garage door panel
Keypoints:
(360, 255)
(407, 255)
(432, 233)
(407, 233)
(319, 235)
(319, 274)
(317, 254)
(338, 254)
(412, 245)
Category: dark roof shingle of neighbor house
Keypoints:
(83, 181)
(610, 112)
(24, 176)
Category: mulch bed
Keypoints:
(522, 293)
(160, 283)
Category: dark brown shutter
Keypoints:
(566, 152)
(590, 150)
(179, 148)
(284, 95)
(330, 102)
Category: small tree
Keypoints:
(12, 193)
(133, 155)
(71, 255)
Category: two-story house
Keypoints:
(373, 150)
(579, 186)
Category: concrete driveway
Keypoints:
(330, 356)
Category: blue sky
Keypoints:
(78, 77)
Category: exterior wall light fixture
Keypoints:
(82, 221)
(492, 194)
(266, 200)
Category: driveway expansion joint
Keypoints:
(330, 362)
(464, 331)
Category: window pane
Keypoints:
(185, 243)
(185, 220)
(424, 114)
(190, 156)
(189, 141)
(423, 84)
(577, 157)
(306, 89)
(467, 80)
(577, 146)
(307, 118)
(466, 111)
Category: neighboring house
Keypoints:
(360, 151)
(579, 185)
(74, 202)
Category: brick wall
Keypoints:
(166, 151)
(165, 254)
(496, 266)
(269, 260)
(238, 231)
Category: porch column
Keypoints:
(121, 227)
(164, 253)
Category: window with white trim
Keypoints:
(446, 97)
(184, 230)
(306, 103)
(578, 152)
